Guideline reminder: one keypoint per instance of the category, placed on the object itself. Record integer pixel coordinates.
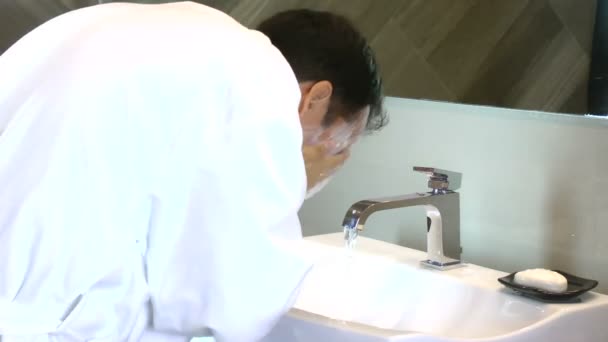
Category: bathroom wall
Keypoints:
(534, 190)
(530, 54)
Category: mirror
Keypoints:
(523, 54)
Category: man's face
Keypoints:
(340, 135)
(328, 149)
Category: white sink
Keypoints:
(381, 293)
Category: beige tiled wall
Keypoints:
(531, 54)
(534, 191)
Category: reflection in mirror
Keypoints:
(523, 54)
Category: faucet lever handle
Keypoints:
(441, 180)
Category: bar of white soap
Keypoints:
(542, 279)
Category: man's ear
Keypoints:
(315, 101)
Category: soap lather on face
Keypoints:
(335, 142)
(341, 135)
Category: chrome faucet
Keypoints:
(442, 206)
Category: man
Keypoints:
(152, 166)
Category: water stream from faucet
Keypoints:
(350, 237)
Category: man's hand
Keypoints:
(320, 164)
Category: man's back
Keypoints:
(131, 135)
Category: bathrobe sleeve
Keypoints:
(218, 259)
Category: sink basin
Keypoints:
(380, 292)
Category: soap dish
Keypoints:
(576, 287)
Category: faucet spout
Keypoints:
(358, 213)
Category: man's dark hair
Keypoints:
(324, 46)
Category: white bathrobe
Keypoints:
(150, 164)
